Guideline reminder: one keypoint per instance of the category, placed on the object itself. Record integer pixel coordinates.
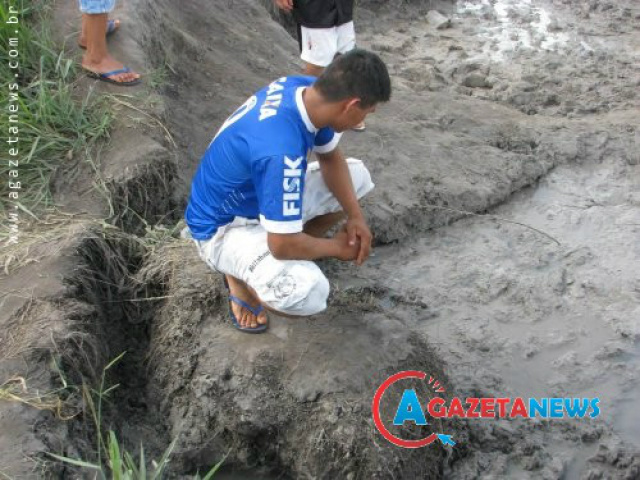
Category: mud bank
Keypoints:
(295, 401)
(77, 319)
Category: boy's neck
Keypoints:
(316, 107)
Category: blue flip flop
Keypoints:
(256, 311)
(106, 77)
(111, 28)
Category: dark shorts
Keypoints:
(322, 13)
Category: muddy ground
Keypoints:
(506, 215)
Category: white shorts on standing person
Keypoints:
(325, 29)
(319, 46)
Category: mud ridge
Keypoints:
(272, 404)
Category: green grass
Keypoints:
(55, 126)
(113, 461)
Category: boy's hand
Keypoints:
(359, 235)
(286, 5)
(346, 251)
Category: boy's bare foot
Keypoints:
(109, 64)
(246, 318)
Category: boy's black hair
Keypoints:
(357, 73)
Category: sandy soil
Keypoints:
(506, 214)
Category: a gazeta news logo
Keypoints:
(414, 411)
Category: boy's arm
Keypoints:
(335, 173)
(300, 246)
(278, 180)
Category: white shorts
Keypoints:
(321, 45)
(294, 287)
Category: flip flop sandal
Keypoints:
(106, 77)
(256, 311)
(359, 128)
(111, 28)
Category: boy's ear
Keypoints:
(351, 103)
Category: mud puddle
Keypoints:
(517, 314)
(520, 25)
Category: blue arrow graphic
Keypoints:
(445, 439)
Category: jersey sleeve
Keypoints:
(279, 184)
(326, 140)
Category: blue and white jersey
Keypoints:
(255, 165)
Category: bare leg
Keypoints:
(319, 226)
(313, 70)
(83, 32)
(97, 58)
(82, 40)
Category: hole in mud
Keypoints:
(106, 279)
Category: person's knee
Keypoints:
(361, 177)
(302, 295)
(316, 297)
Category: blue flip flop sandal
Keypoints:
(111, 28)
(106, 77)
(256, 311)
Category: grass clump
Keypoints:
(43, 119)
(113, 460)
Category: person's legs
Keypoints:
(346, 37)
(319, 202)
(291, 288)
(97, 58)
(320, 225)
(245, 317)
(312, 70)
(323, 210)
(287, 287)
